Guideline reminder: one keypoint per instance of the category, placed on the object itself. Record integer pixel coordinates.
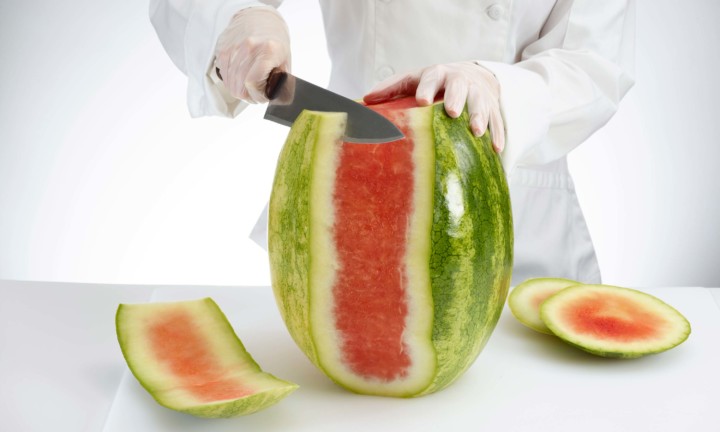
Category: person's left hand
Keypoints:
(463, 82)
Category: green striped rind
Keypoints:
(288, 229)
(239, 407)
(289, 224)
(471, 245)
(677, 328)
(131, 322)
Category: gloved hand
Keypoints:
(255, 42)
(462, 82)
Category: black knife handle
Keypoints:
(275, 79)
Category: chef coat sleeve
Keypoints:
(569, 82)
(188, 31)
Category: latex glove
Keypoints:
(255, 42)
(463, 82)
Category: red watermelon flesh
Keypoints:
(613, 317)
(373, 200)
(177, 343)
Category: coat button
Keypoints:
(494, 12)
(384, 72)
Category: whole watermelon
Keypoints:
(390, 262)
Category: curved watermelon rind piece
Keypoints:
(230, 363)
(659, 326)
(526, 298)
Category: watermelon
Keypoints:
(612, 321)
(525, 300)
(390, 263)
(187, 356)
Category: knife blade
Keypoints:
(290, 95)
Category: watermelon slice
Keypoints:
(614, 322)
(187, 356)
(390, 262)
(525, 300)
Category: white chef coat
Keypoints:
(563, 67)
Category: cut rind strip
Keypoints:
(525, 300)
(230, 360)
(674, 329)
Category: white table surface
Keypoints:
(61, 369)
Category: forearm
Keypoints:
(188, 31)
(568, 84)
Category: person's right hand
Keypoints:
(255, 42)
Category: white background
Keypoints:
(105, 178)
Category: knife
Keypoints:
(290, 95)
